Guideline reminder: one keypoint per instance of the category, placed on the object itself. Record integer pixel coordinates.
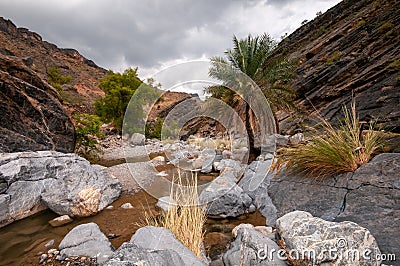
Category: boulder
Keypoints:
(86, 240)
(224, 197)
(130, 254)
(65, 183)
(371, 191)
(251, 247)
(255, 183)
(133, 176)
(137, 139)
(317, 241)
(159, 238)
(164, 202)
(33, 118)
(230, 165)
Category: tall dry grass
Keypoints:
(185, 216)
(335, 151)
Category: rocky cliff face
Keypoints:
(352, 49)
(40, 55)
(32, 116)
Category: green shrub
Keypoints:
(335, 151)
(87, 131)
(56, 78)
(153, 130)
(320, 31)
(333, 58)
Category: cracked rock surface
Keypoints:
(331, 242)
(369, 197)
(65, 183)
(86, 240)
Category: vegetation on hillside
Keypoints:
(333, 151)
(57, 79)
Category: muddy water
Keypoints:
(22, 241)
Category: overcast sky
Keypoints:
(154, 34)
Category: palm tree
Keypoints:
(253, 57)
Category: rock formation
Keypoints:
(32, 116)
(352, 49)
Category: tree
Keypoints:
(119, 89)
(253, 57)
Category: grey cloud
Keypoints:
(146, 33)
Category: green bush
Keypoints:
(87, 131)
(57, 79)
(119, 89)
(333, 58)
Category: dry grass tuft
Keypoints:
(337, 150)
(185, 217)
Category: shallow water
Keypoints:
(21, 242)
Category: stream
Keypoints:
(22, 242)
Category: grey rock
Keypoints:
(127, 205)
(371, 191)
(251, 247)
(303, 233)
(255, 183)
(137, 139)
(240, 154)
(207, 165)
(86, 240)
(49, 244)
(133, 176)
(231, 165)
(159, 238)
(296, 139)
(164, 203)
(65, 183)
(130, 254)
(224, 197)
(226, 154)
(43, 258)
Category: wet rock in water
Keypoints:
(49, 244)
(43, 258)
(65, 183)
(61, 220)
(86, 240)
(137, 139)
(127, 205)
(304, 234)
(131, 254)
(224, 197)
(255, 183)
(133, 176)
(159, 238)
(251, 247)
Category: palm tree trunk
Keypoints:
(253, 152)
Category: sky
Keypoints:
(155, 34)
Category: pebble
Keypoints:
(53, 251)
(110, 207)
(49, 244)
(127, 206)
(43, 257)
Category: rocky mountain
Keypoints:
(352, 49)
(32, 116)
(40, 56)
